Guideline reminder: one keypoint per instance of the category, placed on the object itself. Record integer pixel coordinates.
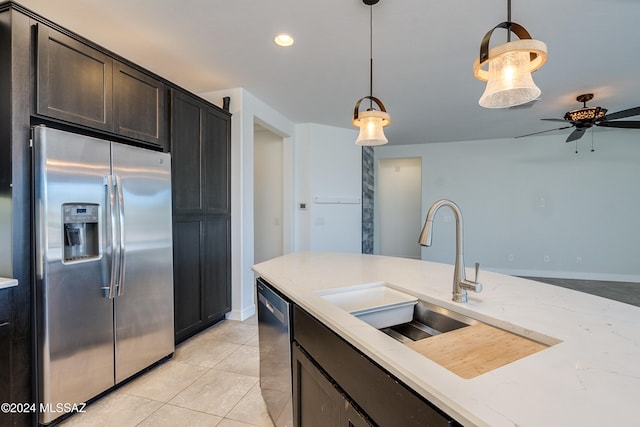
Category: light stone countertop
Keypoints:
(7, 283)
(590, 378)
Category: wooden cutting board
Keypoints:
(474, 350)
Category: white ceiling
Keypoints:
(423, 56)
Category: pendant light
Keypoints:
(509, 81)
(371, 122)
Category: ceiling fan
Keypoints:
(586, 117)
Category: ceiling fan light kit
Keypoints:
(585, 113)
(371, 122)
(586, 117)
(509, 67)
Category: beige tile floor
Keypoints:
(212, 380)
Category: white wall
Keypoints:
(532, 206)
(328, 171)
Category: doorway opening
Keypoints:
(399, 207)
(268, 197)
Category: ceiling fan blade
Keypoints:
(622, 114)
(576, 134)
(556, 120)
(548, 130)
(630, 124)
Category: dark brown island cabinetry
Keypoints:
(351, 388)
(319, 402)
(81, 85)
(200, 146)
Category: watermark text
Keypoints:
(26, 407)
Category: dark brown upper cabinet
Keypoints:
(138, 105)
(74, 81)
(81, 85)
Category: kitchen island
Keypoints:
(590, 376)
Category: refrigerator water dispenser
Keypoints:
(81, 240)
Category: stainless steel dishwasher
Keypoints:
(274, 320)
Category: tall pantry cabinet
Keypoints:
(200, 147)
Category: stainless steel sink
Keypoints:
(428, 320)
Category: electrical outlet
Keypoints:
(510, 257)
(547, 258)
(579, 260)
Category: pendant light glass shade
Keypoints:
(507, 67)
(371, 124)
(509, 82)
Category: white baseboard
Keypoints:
(243, 314)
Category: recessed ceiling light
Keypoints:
(283, 40)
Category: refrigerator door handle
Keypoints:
(122, 247)
(41, 224)
(113, 248)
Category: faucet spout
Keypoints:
(460, 282)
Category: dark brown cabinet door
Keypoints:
(353, 417)
(187, 132)
(200, 141)
(138, 105)
(217, 298)
(187, 274)
(218, 157)
(74, 81)
(316, 402)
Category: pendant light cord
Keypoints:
(509, 20)
(370, 56)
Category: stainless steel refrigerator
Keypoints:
(104, 274)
